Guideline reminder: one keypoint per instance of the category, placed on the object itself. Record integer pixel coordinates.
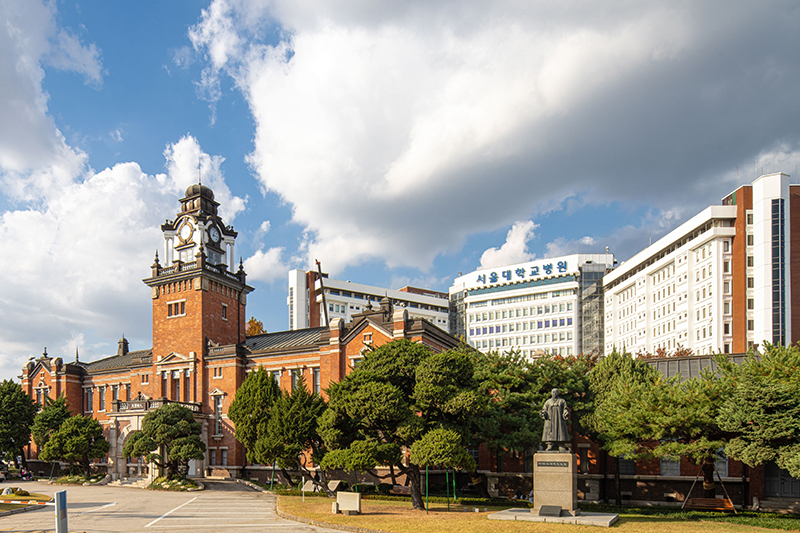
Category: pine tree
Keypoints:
(17, 411)
(764, 409)
(78, 440)
(291, 432)
(173, 428)
(49, 420)
(615, 367)
(401, 394)
(650, 416)
(251, 406)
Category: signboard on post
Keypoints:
(60, 498)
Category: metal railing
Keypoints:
(121, 406)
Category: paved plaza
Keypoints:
(223, 505)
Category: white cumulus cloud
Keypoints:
(266, 266)
(514, 250)
(439, 119)
(187, 164)
(77, 242)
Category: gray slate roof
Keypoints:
(689, 367)
(284, 339)
(116, 362)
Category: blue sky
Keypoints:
(397, 142)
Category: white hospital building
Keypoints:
(719, 282)
(308, 294)
(552, 305)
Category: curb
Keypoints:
(22, 510)
(251, 485)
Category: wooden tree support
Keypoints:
(709, 504)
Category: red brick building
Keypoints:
(200, 353)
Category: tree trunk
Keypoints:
(617, 483)
(24, 459)
(391, 473)
(87, 467)
(172, 469)
(321, 481)
(413, 473)
(286, 475)
(709, 488)
(481, 485)
(603, 488)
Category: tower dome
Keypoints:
(198, 189)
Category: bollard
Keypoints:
(60, 498)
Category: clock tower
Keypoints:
(198, 297)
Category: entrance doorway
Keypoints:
(779, 484)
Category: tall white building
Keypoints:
(345, 299)
(550, 305)
(719, 282)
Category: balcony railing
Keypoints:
(143, 405)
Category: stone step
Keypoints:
(130, 482)
(780, 505)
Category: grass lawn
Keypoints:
(398, 517)
(10, 506)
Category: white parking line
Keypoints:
(95, 509)
(170, 512)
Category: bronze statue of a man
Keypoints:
(555, 413)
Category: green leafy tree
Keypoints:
(17, 411)
(658, 417)
(443, 448)
(251, 406)
(170, 438)
(517, 388)
(764, 409)
(396, 397)
(78, 440)
(570, 375)
(291, 433)
(510, 417)
(615, 367)
(49, 420)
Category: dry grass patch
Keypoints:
(398, 517)
(32, 496)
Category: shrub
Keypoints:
(172, 483)
(385, 488)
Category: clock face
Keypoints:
(186, 232)
(214, 234)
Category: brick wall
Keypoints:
(744, 202)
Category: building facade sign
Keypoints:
(529, 271)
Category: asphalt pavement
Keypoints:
(221, 506)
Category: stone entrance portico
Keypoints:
(126, 417)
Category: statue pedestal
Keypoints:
(555, 483)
